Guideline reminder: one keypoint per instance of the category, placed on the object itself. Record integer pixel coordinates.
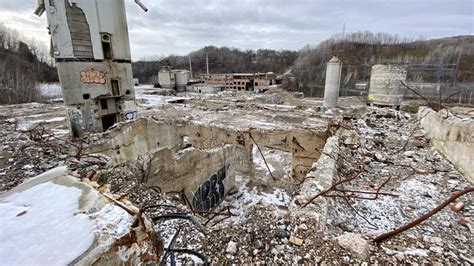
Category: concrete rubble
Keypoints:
(452, 134)
(198, 157)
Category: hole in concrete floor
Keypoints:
(260, 186)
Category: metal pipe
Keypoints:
(40, 9)
(139, 3)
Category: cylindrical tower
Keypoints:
(166, 78)
(333, 82)
(385, 85)
(182, 79)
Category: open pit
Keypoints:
(226, 176)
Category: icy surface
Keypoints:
(42, 226)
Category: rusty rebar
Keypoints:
(261, 153)
(424, 216)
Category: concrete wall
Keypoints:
(92, 51)
(94, 79)
(451, 136)
(303, 144)
(127, 141)
(205, 176)
(101, 16)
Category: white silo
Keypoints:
(333, 82)
(166, 78)
(182, 79)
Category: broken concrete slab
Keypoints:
(452, 136)
(71, 222)
(319, 179)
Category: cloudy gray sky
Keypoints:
(181, 26)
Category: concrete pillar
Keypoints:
(333, 82)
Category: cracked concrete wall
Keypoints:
(205, 176)
(303, 144)
(127, 141)
(451, 136)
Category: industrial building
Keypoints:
(241, 81)
(91, 48)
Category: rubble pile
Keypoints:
(398, 177)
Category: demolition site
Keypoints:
(230, 169)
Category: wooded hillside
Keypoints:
(22, 67)
(427, 59)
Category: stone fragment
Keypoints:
(231, 247)
(280, 233)
(463, 221)
(457, 207)
(380, 157)
(303, 227)
(421, 171)
(355, 243)
(296, 241)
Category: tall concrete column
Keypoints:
(333, 82)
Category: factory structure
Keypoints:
(174, 79)
(90, 45)
(181, 80)
(241, 81)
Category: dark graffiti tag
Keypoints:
(211, 192)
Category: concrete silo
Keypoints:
(166, 78)
(385, 85)
(91, 48)
(182, 78)
(333, 82)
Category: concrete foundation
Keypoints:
(451, 136)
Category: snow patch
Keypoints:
(42, 226)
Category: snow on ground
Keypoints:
(50, 90)
(42, 226)
(29, 122)
(259, 162)
(147, 95)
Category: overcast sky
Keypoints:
(181, 26)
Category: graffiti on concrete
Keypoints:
(130, 116)
(93, 76)
(209, 194)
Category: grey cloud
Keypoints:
(181, 26)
